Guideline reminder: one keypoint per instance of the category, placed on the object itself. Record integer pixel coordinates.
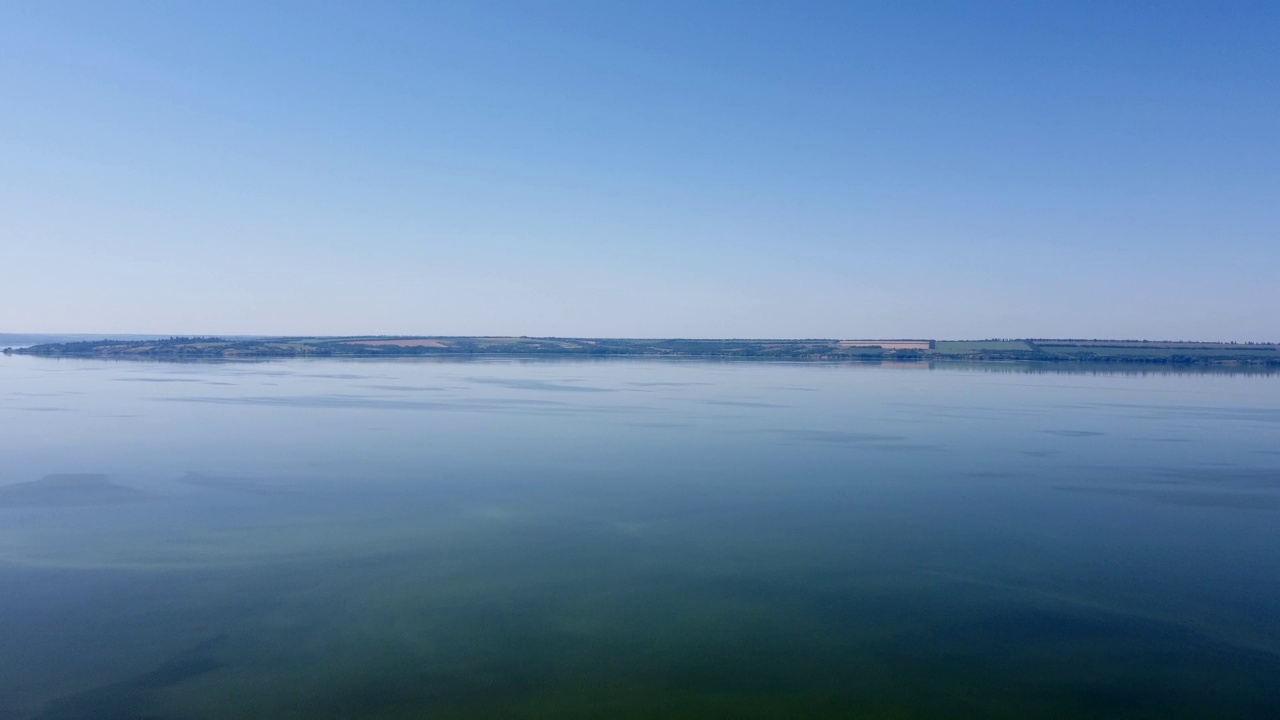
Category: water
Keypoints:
(635, 539)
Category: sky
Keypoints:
(642, 169)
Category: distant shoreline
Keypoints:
(1141, 352)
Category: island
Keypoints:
(896, 350)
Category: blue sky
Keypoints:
(708, 169)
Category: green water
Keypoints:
(635, 539)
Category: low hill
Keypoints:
(1045, 350)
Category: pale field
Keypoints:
(887, 344)
(400, 343)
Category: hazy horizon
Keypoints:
(871, 170)
(142, 336)
(91, 334)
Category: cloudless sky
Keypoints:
(660, 169)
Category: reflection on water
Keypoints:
(634, 539)
(72, 489)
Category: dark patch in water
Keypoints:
(743, 403)
(528, 384)
(907, 447)
(131, 698)
(1083, 663)
(264, 373)
(67, 490)
(666, 384)
(337, 376)
(1205, 412)
(338, 401)
(1036, 626)
(1193, 498)
(1262, 478)
(215, 482)
(364, 402)
(838, 437)
(1209, 476)
(1075, 433)
(402, 691)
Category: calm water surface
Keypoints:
(635, 539)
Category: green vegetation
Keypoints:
(1109, 351)
(962, 347)
(369, 346)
